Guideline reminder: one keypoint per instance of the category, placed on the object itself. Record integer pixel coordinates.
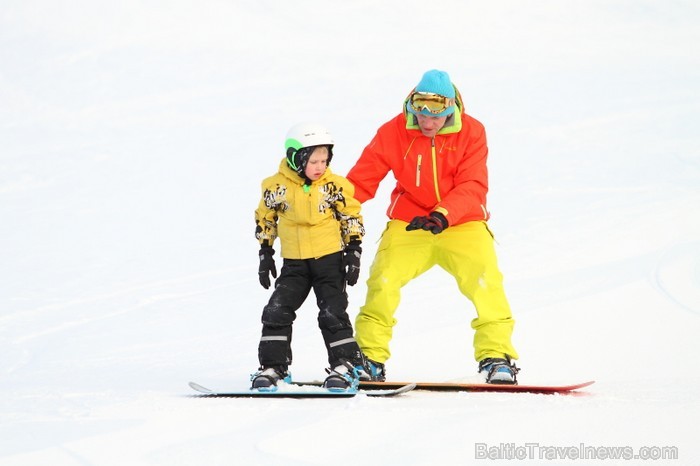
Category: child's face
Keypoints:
(318, 161)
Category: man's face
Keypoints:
(430, 125)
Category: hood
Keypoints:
(452, 124)
(294, 177)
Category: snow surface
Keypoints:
(134, 136)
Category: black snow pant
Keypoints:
(297, 277)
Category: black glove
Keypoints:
(435, 223)
(267, 266)
(351, 262)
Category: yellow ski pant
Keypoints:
(467, 253)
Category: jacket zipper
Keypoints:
(393, 205)
(435, 173)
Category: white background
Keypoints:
(133, 139)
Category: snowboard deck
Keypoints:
(297, 390)
(482, 387)
(472, 387)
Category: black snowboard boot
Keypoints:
(499, 370)
(267, 377)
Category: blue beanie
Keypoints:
(435, 82)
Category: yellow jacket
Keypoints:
(311, 221)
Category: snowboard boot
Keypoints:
(373, 371)
(343, 377)
(499, 370)
(266, 378)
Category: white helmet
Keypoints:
(302, 136)
(307, 135)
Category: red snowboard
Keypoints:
(479, 387)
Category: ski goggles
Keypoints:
(433, 103)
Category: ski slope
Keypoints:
(133, 139)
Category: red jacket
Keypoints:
(445, 173)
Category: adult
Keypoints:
(437, 216)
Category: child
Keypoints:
(319, 225)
